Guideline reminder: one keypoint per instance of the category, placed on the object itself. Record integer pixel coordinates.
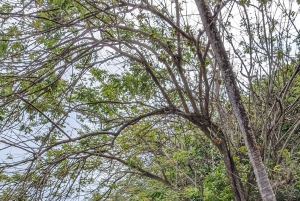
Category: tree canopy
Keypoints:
(149, 100)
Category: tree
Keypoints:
(236, 100)
(100, 95)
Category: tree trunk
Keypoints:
(233, 175)
(213, 34)
(220, 142)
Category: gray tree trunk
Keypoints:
(213, 34)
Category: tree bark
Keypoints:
(222, 58)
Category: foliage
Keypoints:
(124, 100)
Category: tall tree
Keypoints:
(236, 100)
(104, 98)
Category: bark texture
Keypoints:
(222, 58)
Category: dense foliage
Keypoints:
(124, 100)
